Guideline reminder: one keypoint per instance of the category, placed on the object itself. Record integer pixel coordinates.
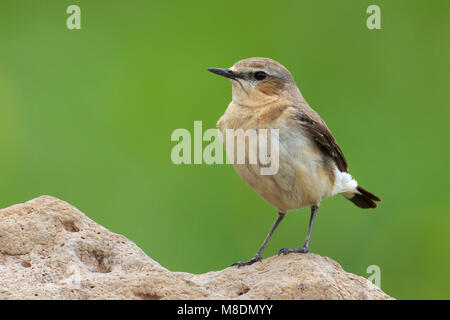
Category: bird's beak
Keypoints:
(224, 72)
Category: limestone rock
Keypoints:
(51, 250)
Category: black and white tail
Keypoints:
(364, 199)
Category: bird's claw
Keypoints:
(239, 264)
(303, 249)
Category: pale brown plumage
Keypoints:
(312, 165)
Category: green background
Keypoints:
(86, 115)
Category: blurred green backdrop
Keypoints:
(86, 115)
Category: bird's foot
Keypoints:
(303, 249)
(256, 258)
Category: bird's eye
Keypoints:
(260, 75)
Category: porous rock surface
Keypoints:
(51, 250)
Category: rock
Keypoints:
(51, 250)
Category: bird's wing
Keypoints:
(318, 130)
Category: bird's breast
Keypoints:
(303, 177)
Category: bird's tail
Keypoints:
(363, 198)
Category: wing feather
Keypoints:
(319, 131)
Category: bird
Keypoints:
(312, 166)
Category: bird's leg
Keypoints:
(258, 255)
(305, 247)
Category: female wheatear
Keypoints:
(312, 167)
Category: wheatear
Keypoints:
(312, 167)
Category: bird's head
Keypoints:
(259, 81)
